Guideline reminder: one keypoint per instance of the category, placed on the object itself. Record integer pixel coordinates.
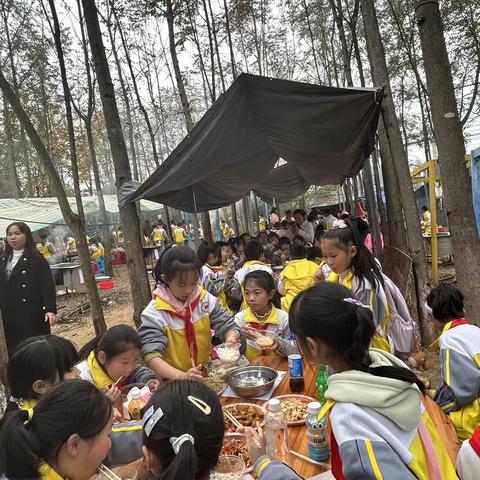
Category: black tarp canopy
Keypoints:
(324, 134)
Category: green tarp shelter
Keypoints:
(40, 213)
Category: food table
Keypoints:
(297, 436)
(72, 276)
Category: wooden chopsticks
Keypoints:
(230, 416)
(307, 459)
(107, 472)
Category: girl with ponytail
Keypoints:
(353, 266)
(183, 431)
(66, 435)
(379, 427)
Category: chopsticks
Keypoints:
(307, 459)
(107, 472)
(193, 363)
(118, 380)
(230, 416)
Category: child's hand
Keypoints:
(319, 276)
(254, 451)
(274, 347)
(249, 332)
(114, 394)
(154, 385)
(194, 373)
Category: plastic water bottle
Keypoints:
(317, 434)
(321, 383)
(276, 432)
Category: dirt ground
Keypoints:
(117, 306)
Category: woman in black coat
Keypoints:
(27, 289)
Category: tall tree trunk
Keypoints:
(378, 191)
(407, 196)
(87, 119)
(126, 99)
(230, 45)
(346, 55)
(75, 222)
(372, 208)
(11, 182)
(212, 54)
(312, 39)
(217, 50)
(68, 108)
(451, 155)
(255, 38)
(135, 86)
(137, 271)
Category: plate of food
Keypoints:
(236, 444)
(295, 408)
(247, 414)
(217, 385)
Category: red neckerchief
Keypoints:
(475, 441)
(189, 328)
(458, 322)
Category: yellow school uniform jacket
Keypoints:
(376, 299)
(460, 368)
(239, 278)
(159, 235)
(45, 250)
(276, 323)
(179, 235)
(71, 245)
(427, 223)
(296, 277)
(163, 334)
(48, 473)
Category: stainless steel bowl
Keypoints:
(251, 381)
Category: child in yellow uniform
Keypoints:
(354, 266)
(65, 436)
(179, 234)
(254, 260)
(263, 317)
(296, 276)
(459, 346)
(176, 325)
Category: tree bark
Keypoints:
(128, 111)
(137, 271)
(74, 221)
(217, 50)
(378, 191)
(11, 182)
(407, 197)
(451, 155)
(312, 39)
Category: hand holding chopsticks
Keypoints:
(231, 417)
(106, 472)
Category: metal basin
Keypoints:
(251, 381)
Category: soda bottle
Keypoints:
(295, 369)
(321, 383)
(317, 434)
(136, 404)
(276, 432)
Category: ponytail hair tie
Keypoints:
(30, 414)
(177, 442)
(356, 303)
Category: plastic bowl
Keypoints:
(251, 381)
(106, 285)
(228, 353)
(229, 467)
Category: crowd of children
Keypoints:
(318, 291)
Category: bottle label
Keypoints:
(295, 366)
